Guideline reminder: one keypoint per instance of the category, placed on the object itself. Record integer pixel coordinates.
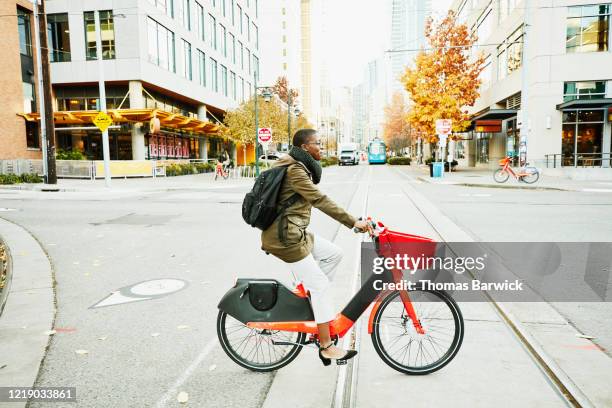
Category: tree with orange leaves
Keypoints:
(396, 129)
(445, 79)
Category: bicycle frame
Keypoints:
(360, 302)
(506, 167)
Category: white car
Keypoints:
(273, 157)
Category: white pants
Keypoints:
(316, 272)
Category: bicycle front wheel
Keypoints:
(402, 348)
(254, 349)
(501, 176)
(532, 176)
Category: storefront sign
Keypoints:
(168, 147)
(488, 126)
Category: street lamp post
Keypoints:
(267, 94)
(102, 107)
(288, 118)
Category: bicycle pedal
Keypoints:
(341, 362)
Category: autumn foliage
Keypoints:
(396, 131)
(445, 79)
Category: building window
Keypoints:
(186, 13)
(241, 54)
(256, 35)
(107, 34)
(29, 97)
(233, 91)
(582, 137)
(232, 45)
(248, 27)
(256, 65)
(484, 25)
(25, 33)
(58, 33)
(213, 75)
(166, 5)
(248, 57)
(200, 21)
(284, 52)
(284, 38)
(241, 89)
(224, 7)
(240, 20)
(32, 136)
(233, 12)
(187, 71)
(161, 46)
(284, 11)
(588, 28)
(223, 39)
(256, 8)
(510, 54)
(224, 80)
(212, 31)
(486, 76)
(202, 68)
(584, 90)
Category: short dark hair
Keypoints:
(301, 136)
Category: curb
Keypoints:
(9, 274)
(30, 308)
(426, 180)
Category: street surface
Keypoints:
(143, 353)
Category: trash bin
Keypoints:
(438, 169)
(430, 169)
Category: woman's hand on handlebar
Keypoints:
(363, 226)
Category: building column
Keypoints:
(138, 139)
(203, 140)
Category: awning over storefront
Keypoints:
(585, 104)
(495, 114)
(488, 126)
(167, 120)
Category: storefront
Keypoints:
(586, 133)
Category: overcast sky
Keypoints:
(358, 33)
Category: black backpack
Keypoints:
(259, 207)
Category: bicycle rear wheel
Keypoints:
(254, 349)
(500, 176)
(400, 346)
(532, 176)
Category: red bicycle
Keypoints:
(221, 171)
(527, 174)
(263, 325)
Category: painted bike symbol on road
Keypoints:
(147, 290)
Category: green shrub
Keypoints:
(203, 167)
(69, 155)
(30, 178)
(187, 168)
(9, 179)
(399, 161)
(329, 161)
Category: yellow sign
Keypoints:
(102, 121)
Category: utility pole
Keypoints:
(47, 127)
(105, 147)
(288, 118)
(525, 87)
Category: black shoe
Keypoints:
(339, 361)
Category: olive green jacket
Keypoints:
(287, 238)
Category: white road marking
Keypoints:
(597, 190)
(187, 373)
(7, 209)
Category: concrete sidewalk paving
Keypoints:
(484, 178)
(29, 312)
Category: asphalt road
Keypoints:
(143, 353)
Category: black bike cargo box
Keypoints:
(265, 300)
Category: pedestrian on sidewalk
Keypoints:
(310, 257)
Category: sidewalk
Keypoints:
(476, 177)
(135, 185)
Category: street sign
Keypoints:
(444, 126)
(264, 136)
(102, 121)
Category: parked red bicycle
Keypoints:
(527, 174)
(263, 325)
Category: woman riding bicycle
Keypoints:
(311, 258)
